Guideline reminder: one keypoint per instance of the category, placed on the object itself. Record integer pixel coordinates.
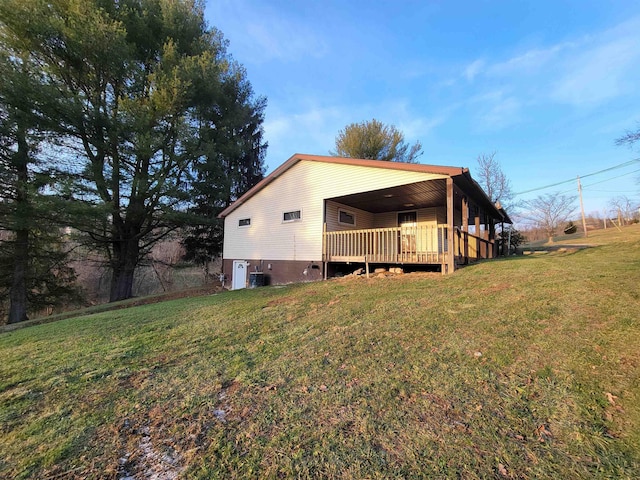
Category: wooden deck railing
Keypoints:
(472, 247)
(419, 244)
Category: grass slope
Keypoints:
(519, 368)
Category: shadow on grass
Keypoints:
(106, 307)
(530, 253)
(554, 248)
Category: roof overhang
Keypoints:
(411, 196)
(421, 194)
(298, 157)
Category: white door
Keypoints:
(239, 279)
(407, 222)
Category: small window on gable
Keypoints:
(346, 218)
(244, 222)
(292, 216)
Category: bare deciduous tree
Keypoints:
(630, 139)
(549, 211)
(493, 180)
(623, 208)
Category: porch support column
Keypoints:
(478, 233)
(450, 265)
(492, 238)
(487, 247)
(325, 263)
(465, 228)
(477, 220)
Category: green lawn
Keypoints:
(525, 367)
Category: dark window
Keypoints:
(244, 222)
(407, 219)
(346, 218)
(291, 216)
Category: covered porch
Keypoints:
(443, 222)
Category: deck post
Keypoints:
(492, 239)
(478, 234)
(465, 227)
(441, 239)
(487, 249)
(324, 241)
(450, 245)
(324, 250)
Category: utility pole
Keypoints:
(619, 217)
(584, 222)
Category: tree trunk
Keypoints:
(124, 266)
(18, 293)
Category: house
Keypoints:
(315, 214)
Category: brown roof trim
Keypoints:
(409, 167)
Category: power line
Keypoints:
(613, 178)
(613, 191)
(625, 164)
(630, 162)
(602, 181)
(546, 186)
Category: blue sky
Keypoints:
(548, 85)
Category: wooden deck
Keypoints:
(420, 244)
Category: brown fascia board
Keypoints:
(501, 213)
(409, 167)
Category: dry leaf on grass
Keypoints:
(543, 433)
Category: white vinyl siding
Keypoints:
(363, 219)
(305, 186)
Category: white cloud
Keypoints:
(580, 72)
(600, 73)
(529, 62)
(259, 33)
(416, 128)
(501, 114)
(496, 110)
(279, 39)
(473, 69)
(313, 130)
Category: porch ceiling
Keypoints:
(431, 193)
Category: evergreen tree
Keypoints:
(138, 83)
(232, 162)
(376, 141)
(33, 271)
